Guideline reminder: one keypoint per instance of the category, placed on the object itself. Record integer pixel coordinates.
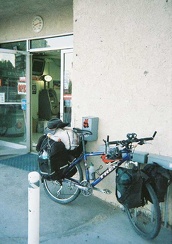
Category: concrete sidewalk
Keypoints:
(86, 220)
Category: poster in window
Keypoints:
(21, 88)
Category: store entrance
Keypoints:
(51, 91)
(35, 86)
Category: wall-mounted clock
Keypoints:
(37, 24)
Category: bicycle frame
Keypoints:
(113, 166)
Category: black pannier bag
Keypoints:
(159, 178)
(57, 161)
(129, 187)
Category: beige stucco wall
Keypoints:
(122, 71)
(123, 68)
(58, 19)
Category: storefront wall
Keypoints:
(58, 19)
(123, 70)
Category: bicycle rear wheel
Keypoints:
(63, 192)
(146, 220)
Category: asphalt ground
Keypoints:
(85, 220)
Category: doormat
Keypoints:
(26, 162)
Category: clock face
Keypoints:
(37, 24)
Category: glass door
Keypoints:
(14, 102)
(66, 85)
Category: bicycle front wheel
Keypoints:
(66, 191)
(146, 220)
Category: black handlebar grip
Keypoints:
(154, 134)
(107, 139)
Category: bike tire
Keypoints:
(146, 220)
(65, 191)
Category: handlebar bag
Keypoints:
(159, 178)
(129, 187)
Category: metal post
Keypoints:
(33, 207)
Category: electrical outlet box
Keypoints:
(91, 124)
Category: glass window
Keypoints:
(20, 46)
(12, 73)
(67, 86)
(13, 101)
(53, 42)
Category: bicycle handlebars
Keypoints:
(83, 132)
(132, 137)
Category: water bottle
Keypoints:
(91, 172)
(44, 155)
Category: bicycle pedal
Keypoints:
(107, 191)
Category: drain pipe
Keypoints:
(33, 207)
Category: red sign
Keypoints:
(21, 88)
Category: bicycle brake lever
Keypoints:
(154, 134)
